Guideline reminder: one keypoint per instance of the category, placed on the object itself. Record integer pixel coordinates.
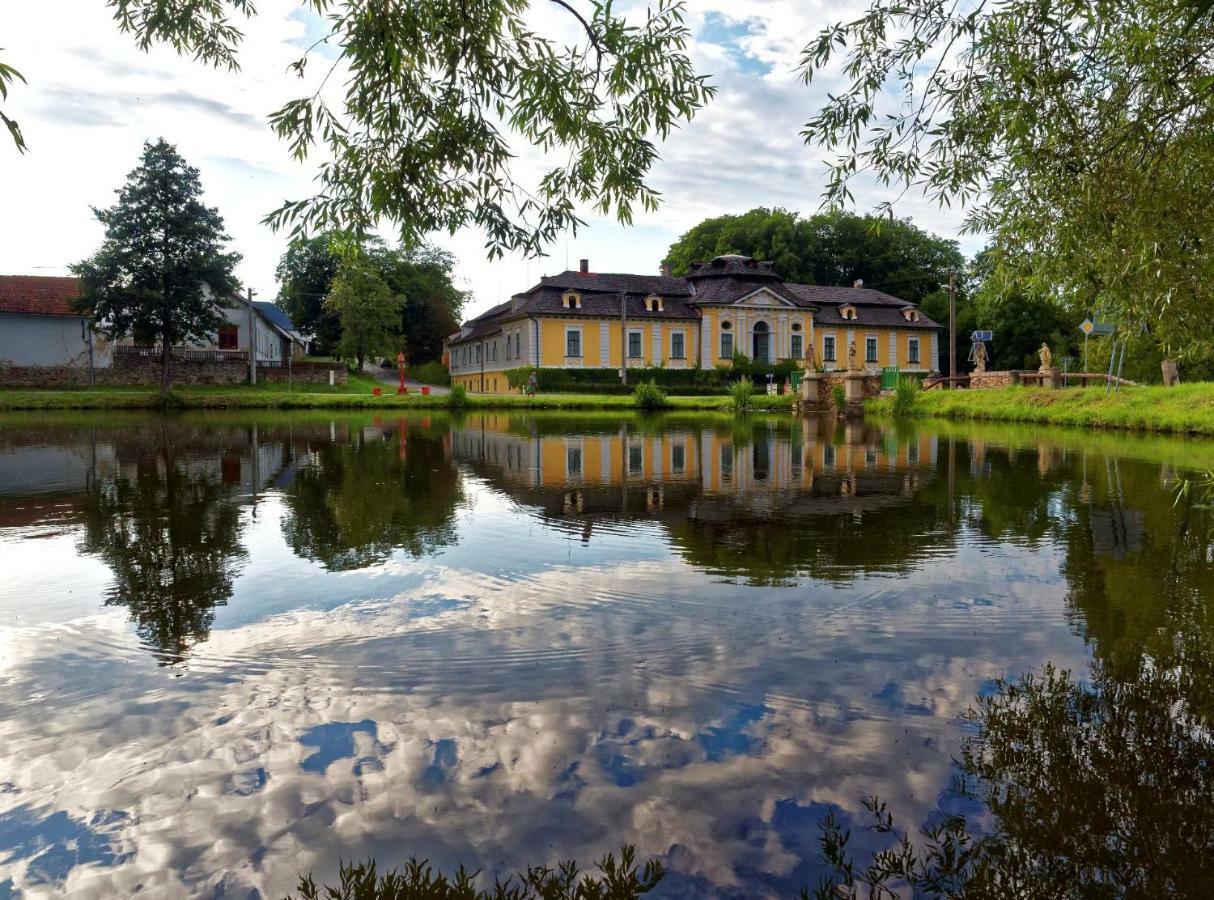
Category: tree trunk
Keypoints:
(1171, 375)
(164, 364)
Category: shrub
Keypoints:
(649, 396)
(363, 881)
(839, 396)
(459, 397)
(906, 393)
(741, 395)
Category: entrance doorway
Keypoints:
(762, 342)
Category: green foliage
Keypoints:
(9, 75)
(367, 309)
(161, 273)
(423, 276)
(434, 93)
(839, 396)
(430, 373)
(305, 275)
(687, 382)
(1078, 133)
(616, 881)
(741, 395)
(649, 396)
(458, 399)
(831, 248)
(906, 393)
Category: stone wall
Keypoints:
(983, 380)
(145, 370)
(870, 386)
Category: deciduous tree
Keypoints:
(828, 248)
(1080, 134)
(436, 90)
(162, 273)
(367, 309)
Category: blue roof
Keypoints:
(274, 314)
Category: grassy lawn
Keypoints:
(357, 394)
(1185, 409)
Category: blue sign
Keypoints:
(982, 335)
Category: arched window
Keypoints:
(726, 340)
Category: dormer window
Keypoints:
(848, 312)
(653, 303)
(571, 300)
(911, 315)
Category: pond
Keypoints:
(234, 649)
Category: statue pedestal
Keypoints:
(853, 387)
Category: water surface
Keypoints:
(233, 649)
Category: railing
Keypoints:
(183, 353)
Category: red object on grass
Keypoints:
(425, 390)
(376, 391)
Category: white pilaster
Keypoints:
(893, 348)
(657, 344)
(604, 343)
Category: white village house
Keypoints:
(40, 329)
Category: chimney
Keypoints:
(584, 266)
(667, 270)
(858, 283)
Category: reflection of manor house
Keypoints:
(729, 304)
(702, 475)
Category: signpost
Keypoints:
(1089, 328)
(400, 365)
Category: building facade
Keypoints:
(729, 304)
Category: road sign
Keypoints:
(982, 335)
(1088, 327)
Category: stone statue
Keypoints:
(810, 362)
(851, 356)
(1047, 359)
(980, 357)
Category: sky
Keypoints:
(93, 98)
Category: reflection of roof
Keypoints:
(723, 280)
(39, 295)
(274, 314)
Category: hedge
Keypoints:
(685, 382)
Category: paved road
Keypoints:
(391, 378)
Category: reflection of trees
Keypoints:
(171, 542)
(1097, 789)
(358, 502)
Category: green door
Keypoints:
(889, 378)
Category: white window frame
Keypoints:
(870, 340)
(681, 332)
(726, 334)
(640, 449)
(580, 448)
(793, 340)
(581, 342)
(913, 353)
(681, 446)
(831, 341)
(640, 336)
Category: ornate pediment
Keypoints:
(761, 297)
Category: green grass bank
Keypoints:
(354, 396)
(1185, 409)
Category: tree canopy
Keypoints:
(367, 309)
(1079, 134)
(423, 277)
(162, 273)
(830, 248)
(432, 93)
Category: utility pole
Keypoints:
(952, 328)
(252, 342)
(624, 342)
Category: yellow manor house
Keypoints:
(589, 319)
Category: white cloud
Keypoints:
(92, 99)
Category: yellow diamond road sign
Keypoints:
(1087, 327)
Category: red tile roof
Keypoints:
(40, 295)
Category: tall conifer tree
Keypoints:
(161, 274)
